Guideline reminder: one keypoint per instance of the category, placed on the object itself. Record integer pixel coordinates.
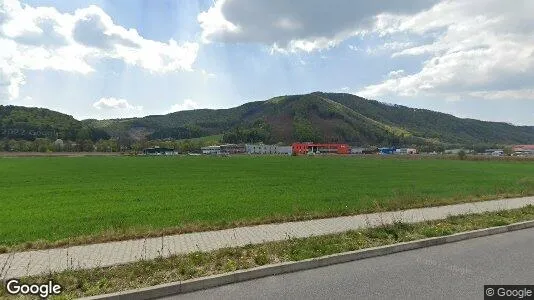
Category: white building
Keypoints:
(260, 149)
(285, 150)
(267, 149)
(494, 152)
(211, 150)
(497, 153)
(406, 151)
(356, 150)
(456, 151)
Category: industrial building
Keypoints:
(494, 152)
(211, 150)
(406, 151)
(232, 149)
(159, 151)
(523, 150)
(356, 150)
(223, 149)
(457, 151)
(386, 150)
(372, 150)
(260, 149)
(267, 149)
(306, 148)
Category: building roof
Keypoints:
(158, 149)
(211, 147)
(523, 147)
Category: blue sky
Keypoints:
(123, 58)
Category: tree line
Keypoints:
(107, 145)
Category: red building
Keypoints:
(523, 148)
(305, 148)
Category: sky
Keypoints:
(130, 58)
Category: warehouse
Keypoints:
(211, 150)
(285, 150)
(386, 150)
(159, 151)
(356, 150)
(260, 149)
(406, 151)
(307, 148)
(232, 149)
(267, 149)
(523, 150)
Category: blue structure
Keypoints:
(386, 150)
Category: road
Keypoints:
(451, 271)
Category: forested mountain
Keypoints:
(28, 123)
(323, 117)
(318, 117)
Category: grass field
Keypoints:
(61, 198)
(80, 283)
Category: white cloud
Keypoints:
(387, 48)
(291, 26)
(115, 104)
(396, 73)
(525, 94)
(213, 22)
(11, 78)
(207, 74)
(452, 98)
(478, 47)
(187, 104)
(39, 38)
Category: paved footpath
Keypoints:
(113, 253)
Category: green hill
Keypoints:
(28, 123)
(323, 117)
(319, 117)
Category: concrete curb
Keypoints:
(181, 287)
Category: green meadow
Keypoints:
(47, 200)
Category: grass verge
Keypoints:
(78, 283)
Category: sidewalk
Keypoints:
(113, 253)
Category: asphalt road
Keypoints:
(452, 271)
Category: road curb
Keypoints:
(181, 287)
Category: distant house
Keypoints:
(159, 151)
